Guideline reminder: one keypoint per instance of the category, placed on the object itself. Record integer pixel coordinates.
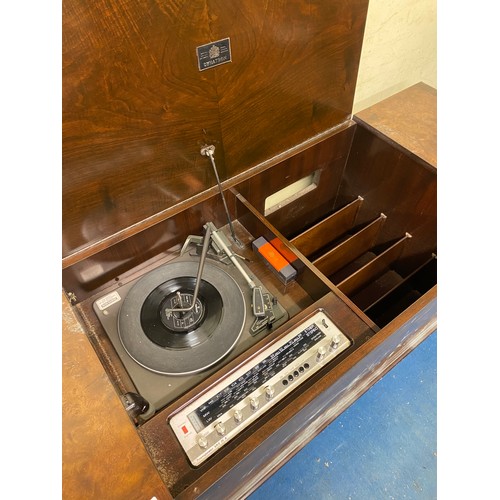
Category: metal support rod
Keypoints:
(209, 151)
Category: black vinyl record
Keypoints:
(165, 341)
(177, 330)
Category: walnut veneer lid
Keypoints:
(137, 108)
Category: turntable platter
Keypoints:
(181, 343)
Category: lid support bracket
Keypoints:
(208, 150)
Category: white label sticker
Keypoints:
(108, 300)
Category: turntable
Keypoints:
(194, 135)
(172, 325)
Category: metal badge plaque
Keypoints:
(213, 54)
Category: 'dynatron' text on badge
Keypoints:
(213, 54)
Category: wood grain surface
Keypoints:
(103, 456)
(136, 108)
(408, 118)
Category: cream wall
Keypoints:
(399, 49)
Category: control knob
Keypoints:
(254, 403)
(335, 342)
(202, 441)
(238, 416)
(269, 392)
(321, 353)
(220, 428)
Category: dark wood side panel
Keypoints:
(396, 183)
(136, 108)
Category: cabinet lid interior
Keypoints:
(137, 108)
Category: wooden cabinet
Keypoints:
(350, 200)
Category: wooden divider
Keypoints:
(374, 268)
(328, 230)
(404, 286)
(403, 295)
(351, 248)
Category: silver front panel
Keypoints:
(218, 415)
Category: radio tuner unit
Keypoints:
(218, 415)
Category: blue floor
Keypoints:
(382, 447)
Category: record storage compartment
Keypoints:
(366, 218)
